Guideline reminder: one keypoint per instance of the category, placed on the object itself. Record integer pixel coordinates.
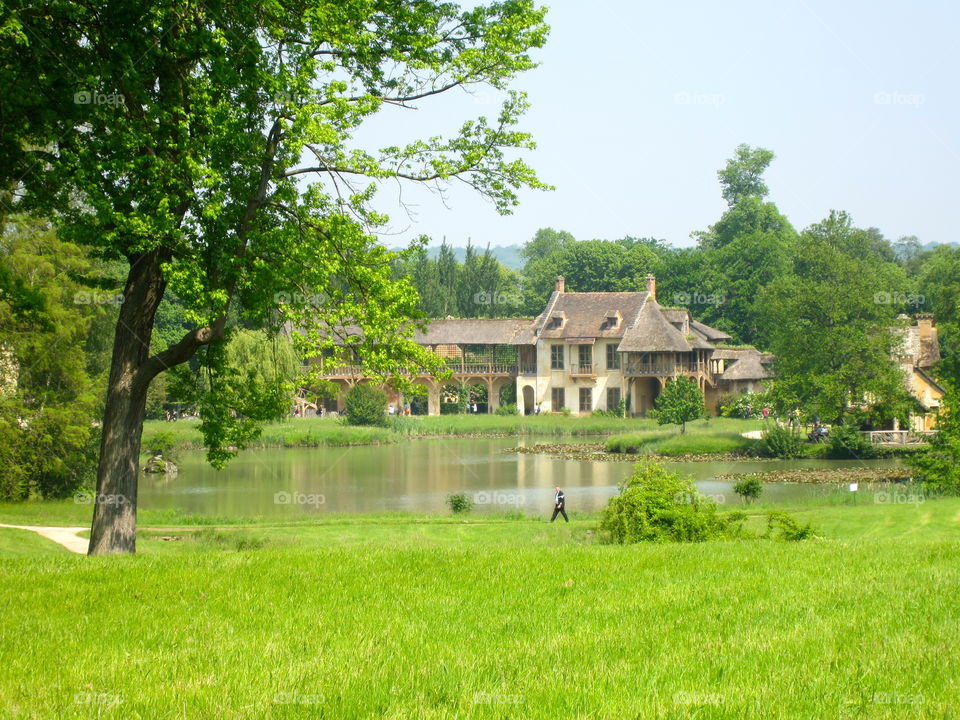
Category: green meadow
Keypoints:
(418, 616)
(720, 433)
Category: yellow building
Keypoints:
(585, 351)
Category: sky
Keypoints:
(636, 105)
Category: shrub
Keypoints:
(366, 405)
(786, 527)
(749, 488)
(510, 409)
(660, 506)
(459, 503)
(846, 442)
(780, 442)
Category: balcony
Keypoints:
(582, 370)
(665, 369)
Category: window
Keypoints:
(613, 357)
(586, 400)
(556, 357)
(555, 323)
(613, 398)
(556, 399)
(585, 356)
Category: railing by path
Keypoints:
(899, 437)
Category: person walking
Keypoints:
(559, 505)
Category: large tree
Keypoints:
(210, 145)
(829, 322)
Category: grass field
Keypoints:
(402, 616)
(315, 432)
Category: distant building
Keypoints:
(585, 351)
(918, 352)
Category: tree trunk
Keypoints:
(115, 506)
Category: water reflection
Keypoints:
(417, 475)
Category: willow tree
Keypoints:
(211, 145)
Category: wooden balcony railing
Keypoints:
(664, 369)
(582, 370)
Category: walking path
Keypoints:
(66, 536)
(753, 434)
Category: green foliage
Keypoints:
(783, 526)
(938, 466)
(459, 503)
(845, 441)
(48, 443)
(828, 323)
(737, 406)
(366, 404)
(510, 409)
(781, 442)
(680, 402)
(743, 175)
(655, 505)
(749, 488)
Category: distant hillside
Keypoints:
(508, 255)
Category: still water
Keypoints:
(417, 476)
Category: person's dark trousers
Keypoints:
(562, 511)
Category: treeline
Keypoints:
(823, 299)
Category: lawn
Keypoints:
(315, 432)
(404, 616)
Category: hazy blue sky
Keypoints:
(636, 105)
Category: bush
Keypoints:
(749, 488)
(510, 409)
(366, 405)
(459, 503)
(786, 527)
(659, 506)
(780, 442)
(846, 442)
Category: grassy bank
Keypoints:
(402, 617)
(316, 432)
(717, 435)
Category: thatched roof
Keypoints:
(651, 331)
(711, 334)
(477, 331)
(744, 364)
(585, 313)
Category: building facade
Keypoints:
(586, 351)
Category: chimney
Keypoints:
(652, 286)
(560, 285)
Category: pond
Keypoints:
(417, 476)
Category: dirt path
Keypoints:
(66, 536)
